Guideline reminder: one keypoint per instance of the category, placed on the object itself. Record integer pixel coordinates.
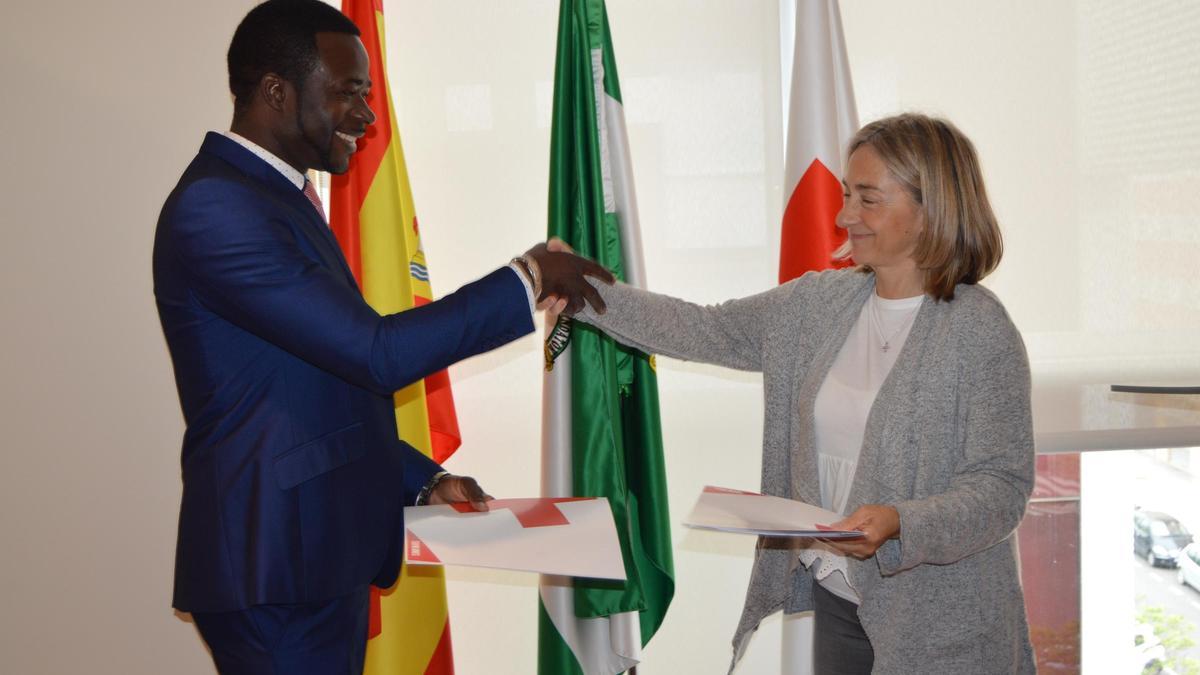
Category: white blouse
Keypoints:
(841, 410)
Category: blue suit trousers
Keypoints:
(325, 638)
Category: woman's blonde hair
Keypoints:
(937, 165)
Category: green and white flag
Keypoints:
(601, 435)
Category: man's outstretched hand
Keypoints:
(562, 278)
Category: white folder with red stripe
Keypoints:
(572, 536)
(729, 510)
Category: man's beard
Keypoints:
(324, 152)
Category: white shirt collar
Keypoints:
(288, 171)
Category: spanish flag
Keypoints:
(372, 215)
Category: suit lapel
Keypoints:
(315, 229)
(318, 230)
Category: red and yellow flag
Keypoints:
(372, 215)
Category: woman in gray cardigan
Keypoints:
(896, 392)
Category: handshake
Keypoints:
(559, 278)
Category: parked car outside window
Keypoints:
(1189, 566)
(1158, 537)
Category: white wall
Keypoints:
(104, 105)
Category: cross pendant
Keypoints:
(884, 347)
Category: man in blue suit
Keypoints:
(294, 479)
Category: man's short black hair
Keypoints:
(280, 36)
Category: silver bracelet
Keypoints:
(523, 267)
(427, 491)
(536, 272)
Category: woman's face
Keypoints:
(880, 218)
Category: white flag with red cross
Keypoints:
(819, 121)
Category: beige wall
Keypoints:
(106, 102)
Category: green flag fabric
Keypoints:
(601, 435)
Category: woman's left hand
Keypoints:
(877, 522)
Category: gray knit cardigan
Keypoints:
(948, 442)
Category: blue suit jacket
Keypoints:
(294, 479)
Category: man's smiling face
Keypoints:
(332, 111)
